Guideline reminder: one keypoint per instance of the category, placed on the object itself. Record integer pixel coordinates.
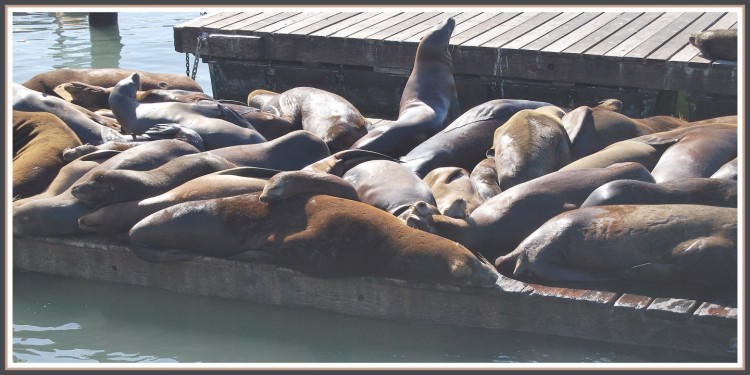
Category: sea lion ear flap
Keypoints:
(578, 122)
(490, 153)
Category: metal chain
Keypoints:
(201, 38)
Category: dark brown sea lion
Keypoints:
(484, 177)
(727, 171)
(97, 97)
(498, 225)
(429, 100)
(117, 219)
(703, 191)
(454, 191)
(465, 141)
(58, 215)
(388, 186)
(678, 243)
(39, 140)
(530, 144)
(216, 124)
(325, 114)
(83, 124)
(695, 152)
(716, 44)
(592, 129)
(290, 152)
(267, 124)
(319, 235)
(288, 184)
(716, 120)
(46, 82)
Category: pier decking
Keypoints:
(695, 321)
(568, 58)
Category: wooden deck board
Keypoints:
(560, 31)
(220, 24)
(383, 24)
(662, 36)
(692, 54)
(300, 24)
(642, 35)
(370, 22)
(612, 41)
(509, 305)
(281, 20)
(419, 30)
(331, 29)
(405, 25)
(602, 33)
(541, 31)
(256, 22)
(208, 19)
(680, 40)
(324, 23)
(520, 26)
(581, 32)
(468, 26)
(490, 27)
(514, 19)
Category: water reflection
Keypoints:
(106, 46)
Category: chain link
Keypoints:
(201, 38)
(187, 64)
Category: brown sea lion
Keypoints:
(503, 221)
(117, 219)
(429, 100)
(342, 161)
(484, 177)
(97, 97)
(259, 98)
(696, 152)
(267, 124)
(454, 191)
(39, 140)
(216, 124)
(727, 171)
(47, 81)
(716, 44)
(288, 184)
(530, 144)
(388, 186)
(325, 114)
(592, 129)
(319, 235)
(703, 191)
(465, 141)
(58, 215)
(290, 152)
(678, 243)
(86, 125)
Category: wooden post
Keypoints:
(102, 19)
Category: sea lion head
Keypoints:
(434, 44)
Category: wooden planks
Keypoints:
(509, 305)
(647, 50)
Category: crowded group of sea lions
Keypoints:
(303, 180)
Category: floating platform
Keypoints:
(567, 58)
(693, 321)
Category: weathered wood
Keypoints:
(692, 54)
(279, 21)
(509, 305)
(604, 32)
(671, 308)
(520, 25)
(244, 46)
(383, 27)
(612, 41)
(542, 30)
(415, 33)
(581, 32)
(560, 31)
(324, 23)
(226, 22)
(348, 31)
(642, 35)
(484, 31)
(338, 26)
(467, 26)
(680, 40)
(662, 36)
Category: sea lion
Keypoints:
(47, 81)
(703, 191)
(716, 44)
(465, 141)
(699, 151)
(716, 120)
(259, 98)
(83, 124)
(388, 186)
(592, 129)
(69, 174)
(342, 161)
(319, 235)
(325, 114)
(291, 152)
(429, 100)
(58, 215)
(39, 140)
(727, 171)
(629, 150)
(530, 144)
(216, 124)
(267, 124)
(117, 219)
(484, 178)
(96, 97)
(503, 221)
(288, 184)
(678, 243)
(454, 191)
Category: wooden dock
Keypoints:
(568, 58)
(693, 321)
